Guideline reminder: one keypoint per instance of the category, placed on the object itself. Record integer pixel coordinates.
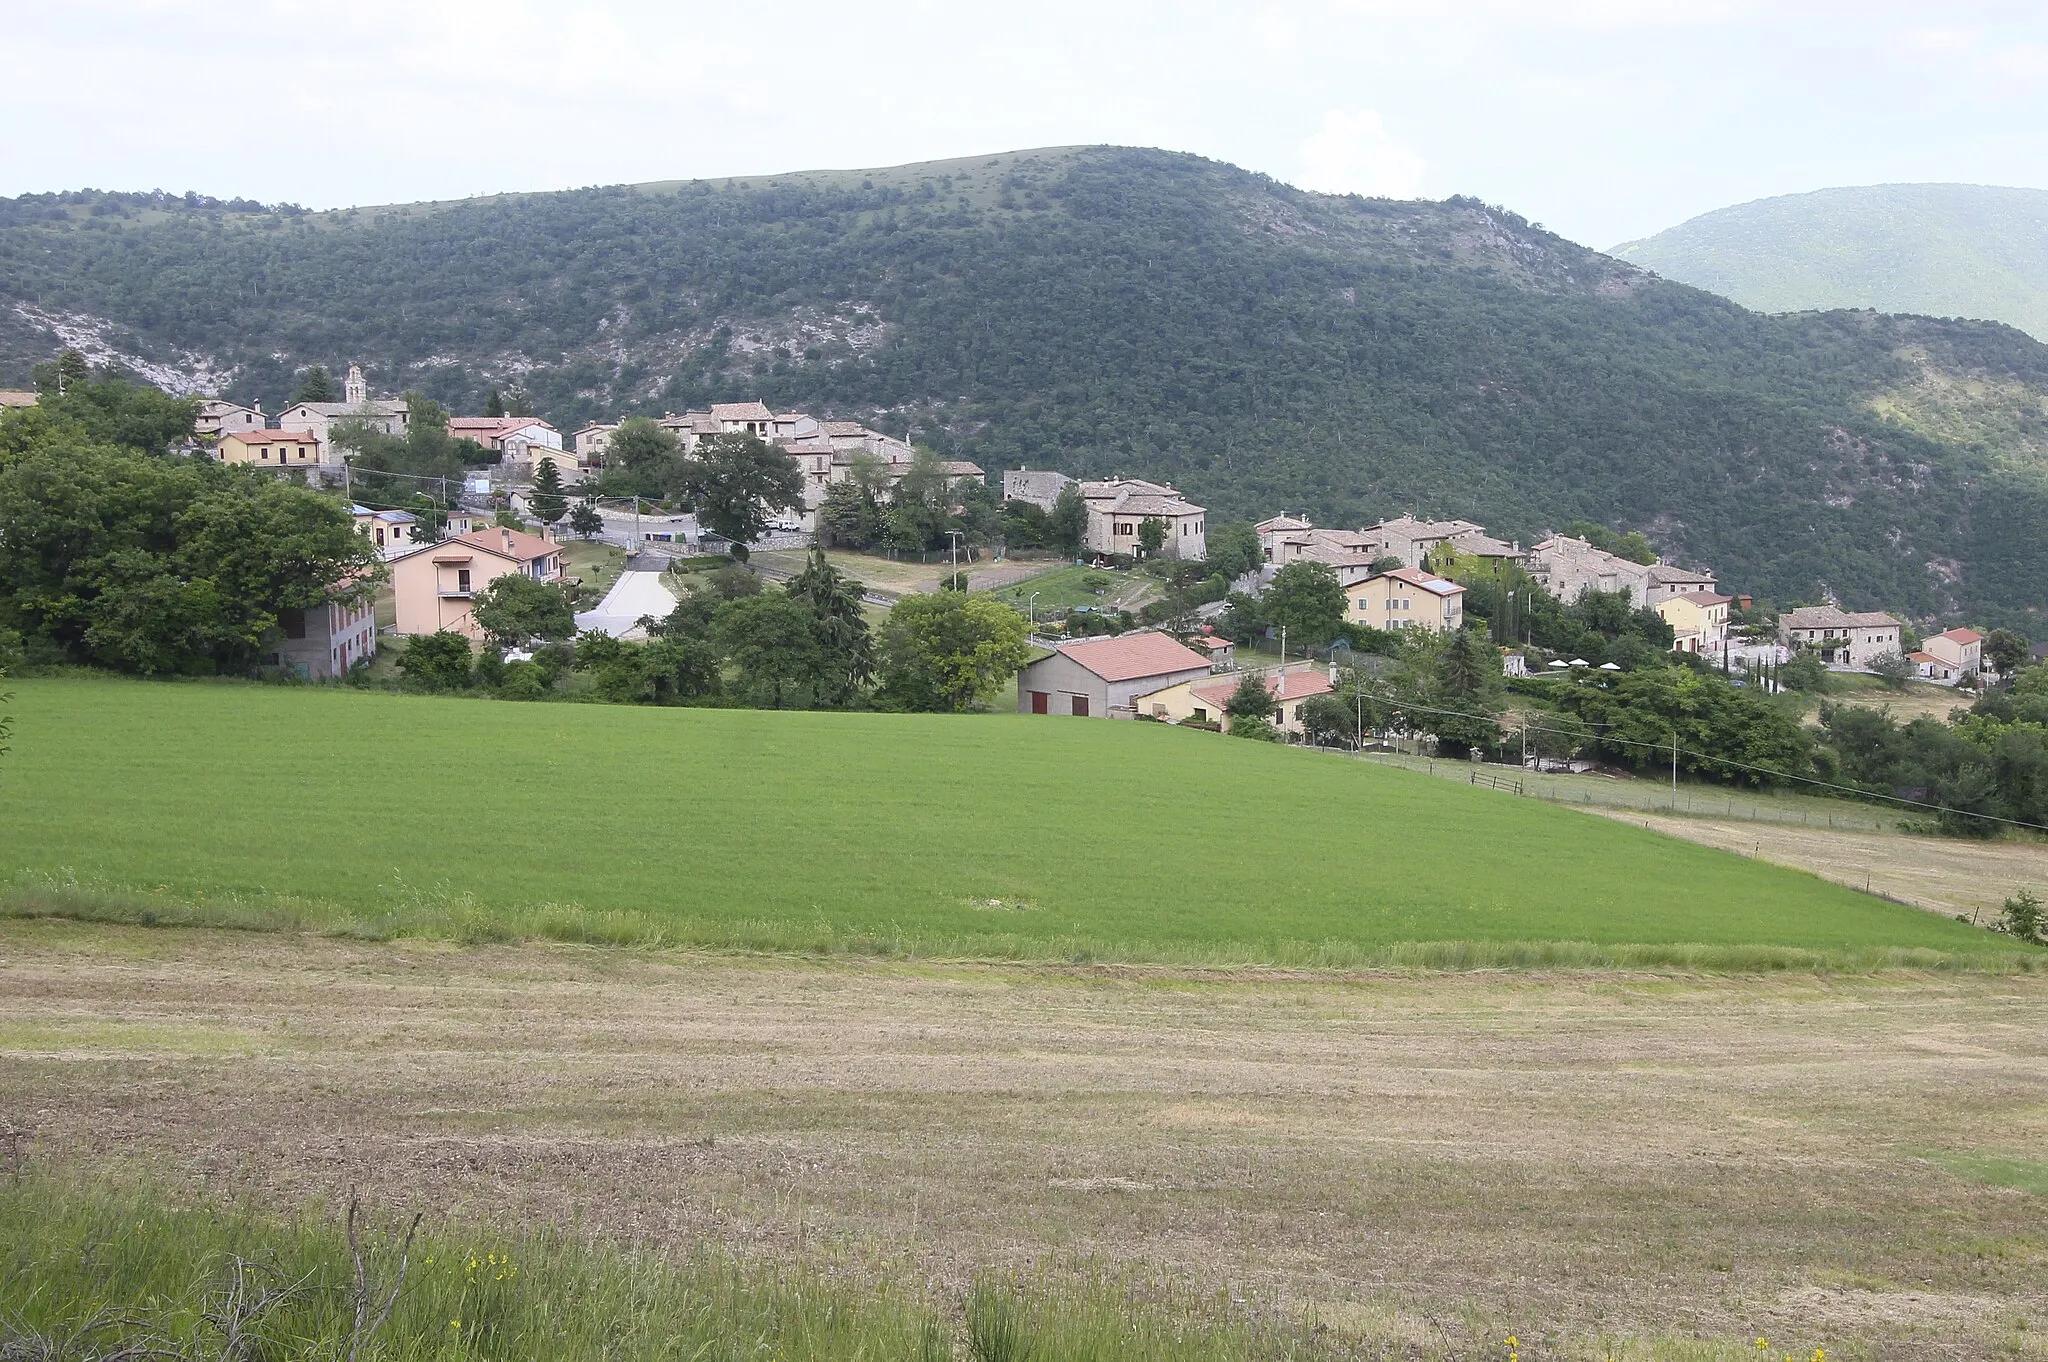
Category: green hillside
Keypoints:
(1938, 250)
(984, 836)
(1105, 310)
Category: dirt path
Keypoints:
(1943, 874)
(1565, 1156)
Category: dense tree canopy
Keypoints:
(1109, 311)
(132, 560)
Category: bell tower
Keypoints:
(355, 392)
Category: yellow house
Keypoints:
(1406, 598)
(1700, 621)
(1204, 698)
(269, 448)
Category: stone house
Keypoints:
(319, 418)
(1845, 640)
(1118, 507)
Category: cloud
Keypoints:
(1353, 153)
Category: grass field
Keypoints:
(1070, 584)
(810, 1153)
(988, 836)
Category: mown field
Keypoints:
(781, 1157)
(992, 835)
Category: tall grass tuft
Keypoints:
(86, 1271)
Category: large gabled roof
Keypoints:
(1127, 657)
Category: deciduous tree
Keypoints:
(1307, 600)
(514, 610)
(947, 651)
(773, 642)
(436, 662)
(736, 483)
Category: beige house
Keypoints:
(1699, 622)
(1119, 507)
(594, 441)
(269, 449)
(1098, 677)
(1406, 598)
(16, 397)
(393, 532)
(1845, 640)
(435, 585)
(1204, 700)
(218, 417)
(1959, 650)
(570, 467)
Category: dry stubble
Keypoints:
(1563, 1154)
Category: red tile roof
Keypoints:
(1962, 636)
(1294, 685)
(1130, 656)
(508, 543)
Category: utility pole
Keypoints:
(633, 546)
(1674, 770)
(1283, 645)
(953, 554)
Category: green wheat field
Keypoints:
(992, 836)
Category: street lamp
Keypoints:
(1031, 610)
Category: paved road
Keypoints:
(633, 595)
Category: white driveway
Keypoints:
(633, 595)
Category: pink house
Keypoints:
(435, 584)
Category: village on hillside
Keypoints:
(1401, 573)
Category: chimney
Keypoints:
(508, 537)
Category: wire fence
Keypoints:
(1643, 796)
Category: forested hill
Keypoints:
(1949, 250)
(1105, 310)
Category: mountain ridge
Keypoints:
(1104, 310)
(1936, 249)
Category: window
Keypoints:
(462, 580)
(1080, 706)
(1201, 715)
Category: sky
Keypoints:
(1604, 120)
